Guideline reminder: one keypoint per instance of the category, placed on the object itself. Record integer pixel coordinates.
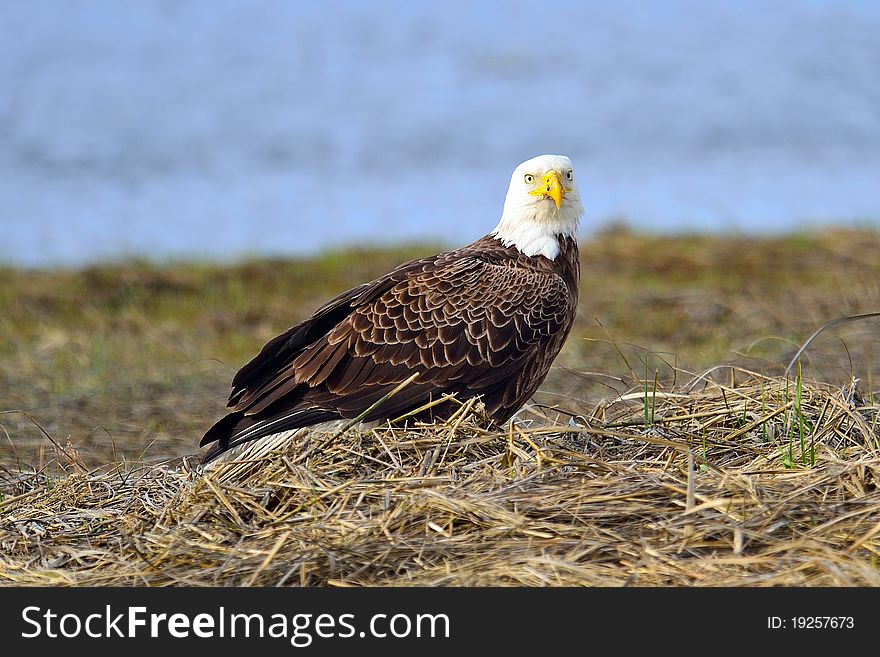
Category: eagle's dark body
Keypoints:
(481, 320)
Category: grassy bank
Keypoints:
(135, 359)
(689, 458)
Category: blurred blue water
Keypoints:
(173, 128)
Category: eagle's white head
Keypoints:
(542, 203)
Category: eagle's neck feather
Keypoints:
(536, 230)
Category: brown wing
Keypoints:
(467, 325)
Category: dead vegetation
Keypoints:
(627, 469)
(726, 479)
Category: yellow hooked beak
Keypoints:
(550, 187)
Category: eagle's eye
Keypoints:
(569, 176)
(529, 179)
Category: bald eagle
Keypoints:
(484, 320)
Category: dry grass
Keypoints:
(133, 360)
(731, 478)
(738, 477)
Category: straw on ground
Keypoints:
(757, 481)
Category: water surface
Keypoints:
(219, 129)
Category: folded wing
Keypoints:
(468, 325)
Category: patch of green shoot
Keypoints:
(803, 424)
